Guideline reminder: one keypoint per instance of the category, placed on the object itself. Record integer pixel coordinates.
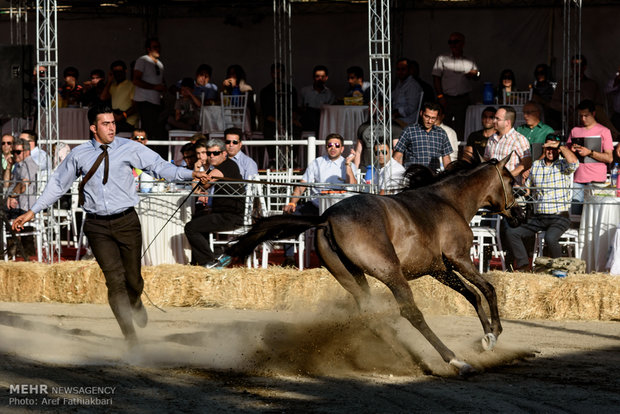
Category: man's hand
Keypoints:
(582, 151)
(18, 223)
(12, 203)
(290, 208)
(199, 174)
(350, 157)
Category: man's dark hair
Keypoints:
(587, 104)
(491, 109)
(32, 136)
(511, 114)
(204, 68)
(201, 143)
(99, 72)
(188, 83)
(188, 147)
(71, 71)
(149, 40)
(118, 63)
(403, 59)
(335, 136)
(357, 71)
(234, 131)
(433, 106)
(320, 67)
(239, 72)
(95, 110)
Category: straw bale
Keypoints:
(520, 295)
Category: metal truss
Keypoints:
(380, 76)
(571, 80)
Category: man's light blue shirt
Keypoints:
(324, 170)
(247, 166)
(119, 193)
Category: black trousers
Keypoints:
(197, 231)
(117, 246)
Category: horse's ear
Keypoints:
(503, 162)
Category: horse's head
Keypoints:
(501, 197)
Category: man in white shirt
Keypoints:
(390, 175)
(247, 166)
(38, 155)
(148, 76)
(451, 78)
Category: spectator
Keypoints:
(120, 92)
(71, 92)
(592, 162)
(543, 86)
(507, 83)
(613, 90)
(235, 83)
(148, 77)
(451, 77)
(247, 166)
(454, 141)
(551, 179)
(406, 95)
(414, 71)
(390, 175)
(535, 131)
(363, 145)
(477, 141)
(203, 85)
(23, 189)
(226, 208)
(424, 143)
(37, 154)
(186, 108)
(93, 89)
(6, 157)
(313, 97)
(507, 141)
(189, 155)
(357, 86)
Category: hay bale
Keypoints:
(520, 295)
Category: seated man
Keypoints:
(203, 85)
(424, 143)
(186, 108)
(390, 175)
(552, 179)
(313, 97)
(534, 130)
(226, 208)
(38, 155)
(7, 147)
(23, 190)
(329, 168)
(247, 166)
(477, 140)
(357, 86)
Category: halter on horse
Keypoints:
(421, 231)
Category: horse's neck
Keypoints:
(467, 194)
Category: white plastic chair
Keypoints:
(517, 97)
(486, 235)
(570, 239)
(234, 109)
(224, 237)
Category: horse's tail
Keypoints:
(271, 228)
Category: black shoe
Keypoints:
(523, 269)
(140, 316)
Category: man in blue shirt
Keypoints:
(247, 166)
(108, 195)
(424, 143)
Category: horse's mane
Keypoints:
(417, 175)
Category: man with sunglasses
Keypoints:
(7, 147)
(226, 207)
(108, 196)
(452, 74)
(550, 180)
(391, 172)
(22, 192)
(247, 166)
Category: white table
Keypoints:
(343, 120)
(597, 230)
(171, 246)
(473, 116)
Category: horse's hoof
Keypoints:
(465, 370)
(488, 342)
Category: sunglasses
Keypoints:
(333, 144)
(379, 152)
(7, 143)
(231, 141)
(215, 153)
(16, 152)
(139, 138)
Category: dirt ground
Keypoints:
(229, 361)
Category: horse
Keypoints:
(420, 231)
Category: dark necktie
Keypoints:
(93, 169)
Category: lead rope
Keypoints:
(508, 207)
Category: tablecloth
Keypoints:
(342, 119)
(599, 220)
(211, 120)
(171, 246)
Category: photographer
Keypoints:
(551, 182)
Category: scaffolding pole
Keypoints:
(571, 68)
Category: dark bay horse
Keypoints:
(421, 231)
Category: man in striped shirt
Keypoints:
(550, 180)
